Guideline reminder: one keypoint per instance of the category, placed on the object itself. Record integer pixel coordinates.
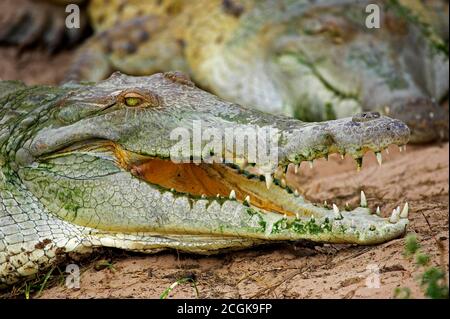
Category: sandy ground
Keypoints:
(419, 176)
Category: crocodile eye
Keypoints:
(132, 99)
(139, 99)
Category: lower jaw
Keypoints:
(210, 243)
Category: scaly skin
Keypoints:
(87, 166)
(312, 60)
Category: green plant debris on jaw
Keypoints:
(310, 227)
(261, 222)
(69, 198)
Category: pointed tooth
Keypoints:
(379, 158)
(394, 216)
(247, 199)
(311, 164)
(232, 194)
(387, 151)
(342, 156)
(296, 168)
(297, 215)
(283, 183)
(325, 203)
(378, 211)
(337, 213)
(405, 211)
(269, 180)
(363, 202)
(335, 209)
(296, 194)
(203, 196)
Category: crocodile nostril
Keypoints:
(366, 116)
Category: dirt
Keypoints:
(419, 176)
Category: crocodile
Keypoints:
(313, 60)
(91, 165)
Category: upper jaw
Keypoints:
(354, 136)
(296, 141)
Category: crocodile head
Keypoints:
(101, 159)
(99, 165)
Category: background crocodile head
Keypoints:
(396, 69)
(320, 60)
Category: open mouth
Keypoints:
(245, 183)
(156, 196)
(220, 181)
